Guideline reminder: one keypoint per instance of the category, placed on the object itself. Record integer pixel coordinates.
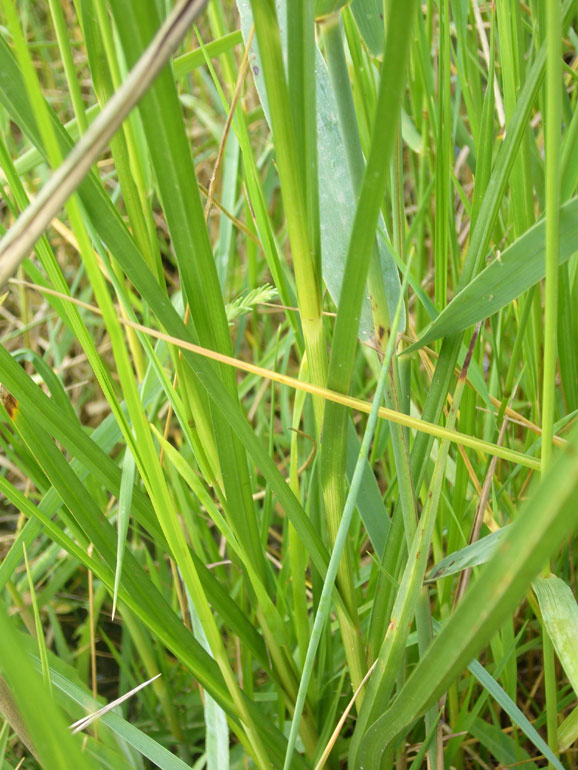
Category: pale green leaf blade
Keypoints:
(518, 268)
(470, 556)
(560, 615)
(513, 711)
(368, 16)
(568, 730)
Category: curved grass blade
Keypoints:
(470, 556)
(510, 274)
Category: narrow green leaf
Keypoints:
(470, 556)
(516, 715)
(123, 518)
(217, 731)
(568, 730)
(509, 274)
(186, 63)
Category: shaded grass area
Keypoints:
(311, 211)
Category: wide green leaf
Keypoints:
(369, 17)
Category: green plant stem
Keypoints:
(359, 258)
(66, 54)
(341, 536)
(333, 42)
(552, 147)
(306, 262)
(301, 222)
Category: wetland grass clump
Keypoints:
(289, 373)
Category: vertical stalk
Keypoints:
(443, 148)
(552, 128)
(306, 262)
(325, 600)
(298, 188)
(336, 61)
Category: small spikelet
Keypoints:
(246, 302)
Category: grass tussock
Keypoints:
(289, 376)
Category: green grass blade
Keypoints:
(560, 615)
(369, 17)
(55, 746)
(111, 229)
(470, 556)
(541, 527)
(124, 508)
(514, 712)
(518, 268)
